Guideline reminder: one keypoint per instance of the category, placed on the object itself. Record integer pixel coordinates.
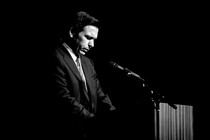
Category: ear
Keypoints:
(70, 33)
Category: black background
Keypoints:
(165, 43)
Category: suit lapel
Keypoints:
(74, 69)
(87, 75)
(86, 72)
(88, 81)
(68, 59)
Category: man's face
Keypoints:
(86, 39)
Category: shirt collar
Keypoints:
(74, 57)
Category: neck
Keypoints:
(75, 51)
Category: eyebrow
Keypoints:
(89, 37)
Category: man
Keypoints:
(80, 99)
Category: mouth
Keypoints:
(84, 50)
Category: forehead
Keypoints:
(91, 30)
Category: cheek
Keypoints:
(84, 43)
(80, 41)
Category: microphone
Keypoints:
(155, 96)
(129, 72)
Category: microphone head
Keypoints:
(112, 63)
(115, 65)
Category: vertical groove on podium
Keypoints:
(175, 124)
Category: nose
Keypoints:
(91, 43)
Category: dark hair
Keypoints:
(76, 23)
(81, 20)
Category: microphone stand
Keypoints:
(155, 97)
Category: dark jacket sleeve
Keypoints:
(104, 101)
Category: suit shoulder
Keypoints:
(58, 52)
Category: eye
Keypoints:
(89, 37)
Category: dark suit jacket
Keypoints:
(68, 87)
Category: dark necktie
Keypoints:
(79, 67)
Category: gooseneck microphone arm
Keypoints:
(155, 96)
(128, 72)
